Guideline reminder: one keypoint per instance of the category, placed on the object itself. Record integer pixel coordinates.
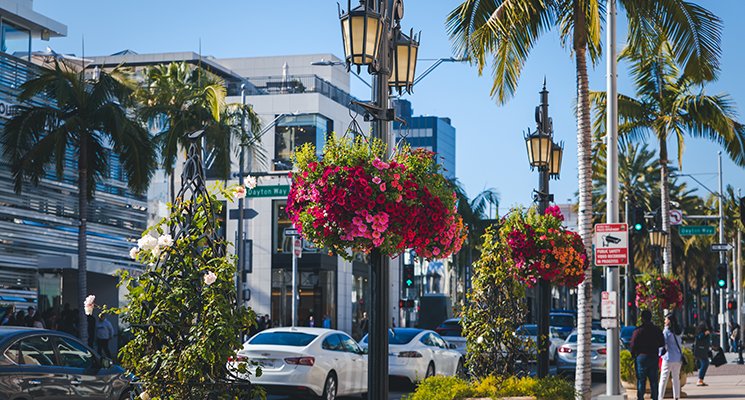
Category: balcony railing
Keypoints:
(293, 84)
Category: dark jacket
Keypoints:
(647, 339)
(702, 345)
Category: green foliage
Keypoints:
(628, 369)
(182, 307)
(452, 388)
(495, 309)
(690, 366)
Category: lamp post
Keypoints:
(373, 38)
(658, 239)
(545, 155)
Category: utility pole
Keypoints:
(613, 375)
(239, 247)
(722, 258)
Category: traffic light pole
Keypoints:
(722, 260)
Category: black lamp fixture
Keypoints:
(362, 28)
(540, 147)
(557, 152)
(658, 238)
(405, 52)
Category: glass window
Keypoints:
(15, 39)
(282, 242)
(350, 345)
(37, 350)
(427, 340)
(74, 354)
(438, 341)
(283, 338)
(399, 335)
(12, 354)
(292, 132)
(599, 339)
(562, 320)
(332, 343)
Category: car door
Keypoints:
(339, 362)
(41, 377)
(357, 365)
(449, 357)
(430, 352)
(83, 370)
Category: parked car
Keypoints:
(626, 333)
(316, 361)
(46, 364)
(530, 332)
(416, 354)
(563, 322)
(566, 360)
(452, 331)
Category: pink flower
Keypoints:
(376, 180)
(382, 187)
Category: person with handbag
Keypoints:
(645, 345)
(702, 351)
(672, 357)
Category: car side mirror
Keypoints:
(363, 350)
(452, 346)
(106, 363)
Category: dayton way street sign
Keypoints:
(693, 230)
(611, 244)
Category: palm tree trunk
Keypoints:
(583, 376)
(82, 240)
(667, 261)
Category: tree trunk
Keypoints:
(583, 383)
(667, 260)
(82, 240)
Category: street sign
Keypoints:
(609, 305)
(611, 244)
(248, 213)
(676, 217)
(695, 230)
(721, 247)
(269, 191)
(291, 232)
(298, 247)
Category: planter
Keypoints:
(631, 389)
(503, 398)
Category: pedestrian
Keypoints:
(33, 319)
(672, 357)
(734, 337)
(9, 316)
(311, 322)
(645, 344)
(104, 333)
(269, 322)
(364, 324)
(20, 319)
(326, 322)
(702, 351)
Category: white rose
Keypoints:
(133, 252)
(91, 299)
(480, 340)
(210, 278)
(88, 309)
(165, 241)
(147, 242)
(251, 182)
(144, 396)
(240, 192)
(156, 251)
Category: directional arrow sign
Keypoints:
(291, 232)
(248, 213)
(721, 247)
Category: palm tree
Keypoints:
(178, 99)
(669, 103)
(506, 31)
(89, 116)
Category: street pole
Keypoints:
(294, 283)
(613, 375)
(722, 259)
(626, 279)
(738, 285)
(544, 287)
(377, 372)
(239, 247)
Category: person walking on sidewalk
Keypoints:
(645, 345)
(672, 357)
(702, 351)
(735, 338)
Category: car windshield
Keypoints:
(562, 320)
(596, 338)
(298, 339)
(401, 336)
(527, 330)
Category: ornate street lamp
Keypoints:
(362, 28)
(557, 152)
(539, 148)
(658, 238)
(404, 62)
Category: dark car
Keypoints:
(563, 322)
(626, 333)
(45, 364)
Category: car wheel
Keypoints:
(329, 388)
(430, 370)
(460, 370)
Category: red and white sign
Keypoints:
(609, 305)
(676, 217)
(611, 244)
(298, 247)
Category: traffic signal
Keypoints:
(408, 276)
(722, 275)
(731, 305)
(638, 224)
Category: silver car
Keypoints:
(566, 354)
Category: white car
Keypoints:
(566, 359)
(452, 331)
(530, 332)
(312, 361)
(416, 354)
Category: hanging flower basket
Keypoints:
(658, 292)
(538, 247)
(351, 197)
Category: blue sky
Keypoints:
(490, 147)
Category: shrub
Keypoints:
(442, 388)
(452, 388)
